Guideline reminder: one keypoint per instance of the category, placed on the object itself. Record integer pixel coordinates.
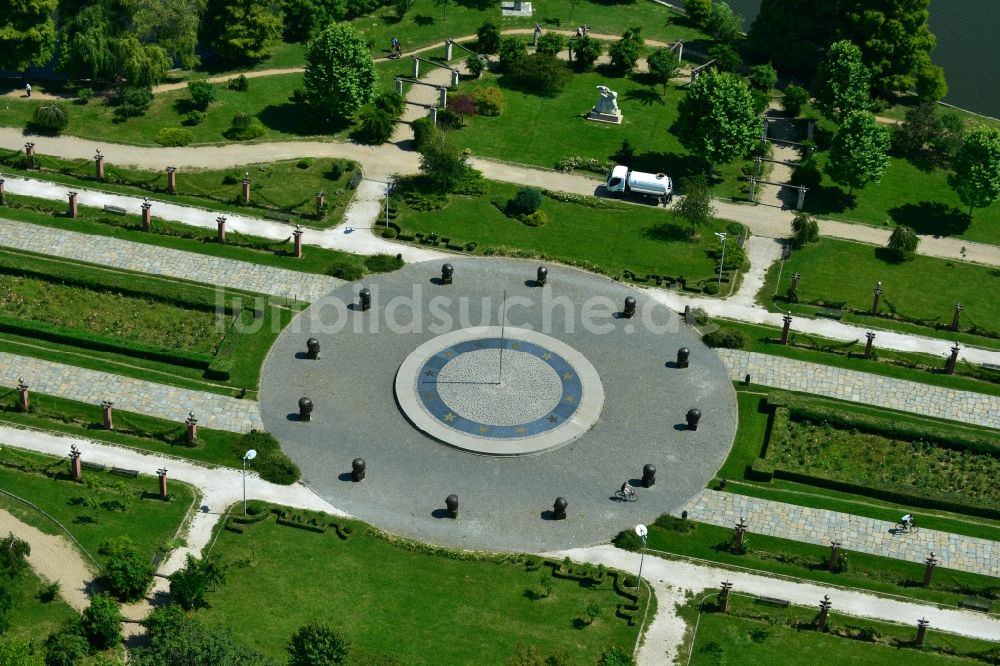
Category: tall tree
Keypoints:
(27, 33)
(443, 162)
(977, 169)
(894, 37)
(726, 25)
(190, 584)
(859, 152)
(695, 207)
(102, 622)
(340, 74)
(930, 82)
(793, 33)
(716, 118)
(13, 555)
(242, 28)
(126, 568)
(172, 25)
(663, 66)
(842, 83)
(625, 53)
(176, 638)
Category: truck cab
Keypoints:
(617, 179)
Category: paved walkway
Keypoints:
(156, 260)
(131, 395)
(858, 534)
(869, 389)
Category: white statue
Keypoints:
(608, 103)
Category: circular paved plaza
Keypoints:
(580, 401)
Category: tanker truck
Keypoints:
(623, 180)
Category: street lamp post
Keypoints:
(722, 239)
(247, 457)
(390, 186)
(641, 530)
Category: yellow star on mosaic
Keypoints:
(428, 395)
(567, 375)
(520, 430)
(483, 429)
(570, 398)
(449, 417)
(449, 354)
(515, 345)
(546, 356)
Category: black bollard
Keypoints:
(365, 296)
(629, 310)
(559, 508)
(312, 348)
(693, 416)
(648, 476)
(357, 469)
(451, 501)
(683, 354)
(447, 271)
(543, 276)
(746, 380)
(305, 409)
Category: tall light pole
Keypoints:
(641, 530)
(722, 239)
(390, 186)
(247, 457)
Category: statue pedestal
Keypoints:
(515, 8)
(604, 117)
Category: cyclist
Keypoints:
(907, 522)
(627, 490)
(396, 48)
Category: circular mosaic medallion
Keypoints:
(499, 392)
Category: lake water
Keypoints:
(968, 47)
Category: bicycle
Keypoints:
(626, 496)
(903, 528)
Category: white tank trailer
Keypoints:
(623, 180)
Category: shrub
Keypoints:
(126, 569)
(616, 656)
(423, 130)
(50, 118)
(712, 288)
(102, 622)
(255, 507)
(195, 117)
(625, 53)
(84, 95)
(241, 120)
(793, 99)
(133, 102)
(463, 105)
(699, 11)
(391, 102)
(475, 65)
(304, 163)
(586, 51)
(804, 230)
(202, 93)
(174, 136)
(377, 125)
(539, 74)
(450, 120)
(244, 127)
(903, 243)
(551, 43)
(336, 170)
(383, 263)
(67, 646)
(762, 77)
(761, 100)
(512, 50)
(725, 338)
(670, 523)
(345, 270)
(488, 37)
(727, 59)
(240, 84)
(628, 540)
(316, 644)
(489, 101)
(272, 463)
(536, 219)
(807, 173)
(526, 201)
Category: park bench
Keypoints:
(355, 179)
(121, 471)
(773, 601)
(94, 466)
(279, 217)
(830, 313)
(976, 603)
(108, 208)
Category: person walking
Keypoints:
(27, 89)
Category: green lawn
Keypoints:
(403, 599)
(149, 521)
(925, 289)
(32, 617)
(643, 240)
(753, 634)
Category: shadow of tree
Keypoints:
(293, 119)
(644, 96)
(668, 231)
(931, 217)
(676, 165)
(827, 199)
(185, 105)
(422, 20)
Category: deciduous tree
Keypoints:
(126, 568)
(102, 622)
(842, 83)
(894, 37)
(242, 28)
(716, 118)
(903, 243)
(977, 169)
(859, 152)
(190, 584)
(625, 53)
(317, 645)
(340, 74)
(172, 25)
(724, 23)
(663, 66)
(695, 207)
(27, 33)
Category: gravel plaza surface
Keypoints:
(505, 503)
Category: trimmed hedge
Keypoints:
(271, 463)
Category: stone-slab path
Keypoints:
(856, 533)
(898, 394)
(214, 411)
(155, 260)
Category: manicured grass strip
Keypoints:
(452, 607)
(924, 289)
(149, 521)
(807, 561)
(754, 634)
(32, 617)
(177, 236)
(764, 340)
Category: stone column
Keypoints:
(433, 115)
(3, 194)
(868, 345)
(741, 531)
(454, 77)
(416, 67)
(320, 204)
(834, 550)
(298, 241)
(72, 205)
(787, 319)
(399, 86)
(930, 563)
(949, 366)
(680, 50)
(109, 423)
(29, 155)
(220, 223)
(802, 197)
(955, 318)
(172, 180)
(448, 49)
(192, 429)
(99, 165)
(535, 35)
(793, 290)
(724, 596)
(922, 625)
(876, 295)
(162, 473)
(23, 398)
(442, 97)
(246, 188)
(824, 612)
(75, 466)
(146, 215)
(753, 186)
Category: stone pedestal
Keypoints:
(3, 194)
(876, 295)
(929, 563)
(146, 216)
(516, 8)
(192, 429)
(724, 597)
(108, 417)
(23, 398)
(99, 165)
(75, 466)
(220, 224)
(297, 234)
(162, 473)
(787, 319)
(71, 212)
(320, 204)
(824, 612)
(868, 345)
(949, 366)
(172, 180)
(956, 319)
(246, 189)
(29, 155)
